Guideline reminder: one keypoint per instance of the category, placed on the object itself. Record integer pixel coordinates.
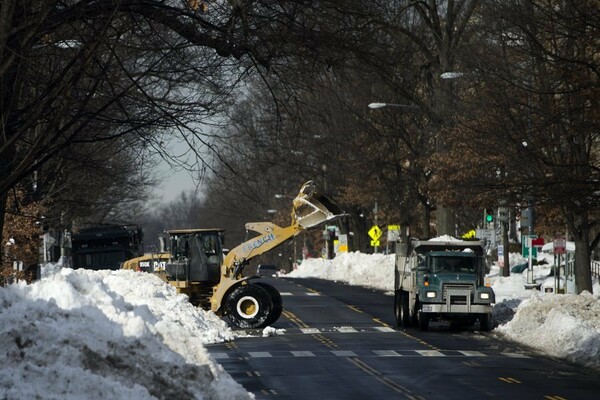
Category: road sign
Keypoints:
(525, 246)
(393, 233)
(375, 243)
(343, 244)
(488, 234)
(375, 233)
(472, 234)
(559, 245)
(539, 242)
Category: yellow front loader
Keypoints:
(196, 265)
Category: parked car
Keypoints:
(266, 269)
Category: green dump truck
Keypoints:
(442, 281)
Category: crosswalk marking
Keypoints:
(346, 329)
(303, 353)
(516, 355)
(430, 353)
(310, 331)
(286, 293)
(362, 353)
(344, 353)
(469, 353)
(260, 354)
(386, 353)
(384, 329)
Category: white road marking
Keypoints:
(516, 355)
(386, 353)
(344, 353)
(430, 353)
(345, 329)
(310, 331)
(469, 353)
(385, 329)
(303, 353)
(259, 354)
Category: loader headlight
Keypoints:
(431, 295)
(484, 296)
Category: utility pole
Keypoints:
(503, 218)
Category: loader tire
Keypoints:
(249, 306)
(276, 299)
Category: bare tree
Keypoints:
(532, 133)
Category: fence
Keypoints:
(570, 267)
(596, 269)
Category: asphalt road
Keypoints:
(339, 343)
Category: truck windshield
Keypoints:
(452, 264)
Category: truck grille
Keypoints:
(458, 293)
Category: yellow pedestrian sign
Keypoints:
(375, 243)
(375, 233)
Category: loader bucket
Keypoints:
(311, 208)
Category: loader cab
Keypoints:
(196, 255)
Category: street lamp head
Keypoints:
(451, 75)
(381, 105)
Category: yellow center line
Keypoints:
(381, 322)
(292, 317)
(509, 380)
(355, 309)
(383, 379)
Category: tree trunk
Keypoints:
(580, 228)
(583, 273)
(3, 198)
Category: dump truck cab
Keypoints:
(442, 281)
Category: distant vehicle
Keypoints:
(106, 247)
(266, 269)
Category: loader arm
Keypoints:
(309, 210)
(271, 237)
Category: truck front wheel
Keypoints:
(485, 322)
(424, 321)
(249, 306)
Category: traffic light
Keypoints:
(489, 216)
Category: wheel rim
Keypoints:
(247, 307)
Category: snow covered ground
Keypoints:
(80, 334)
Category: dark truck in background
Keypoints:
(106, 247)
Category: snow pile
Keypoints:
(565, 326)
(108, 334)
(369, 270)
(561, 325)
